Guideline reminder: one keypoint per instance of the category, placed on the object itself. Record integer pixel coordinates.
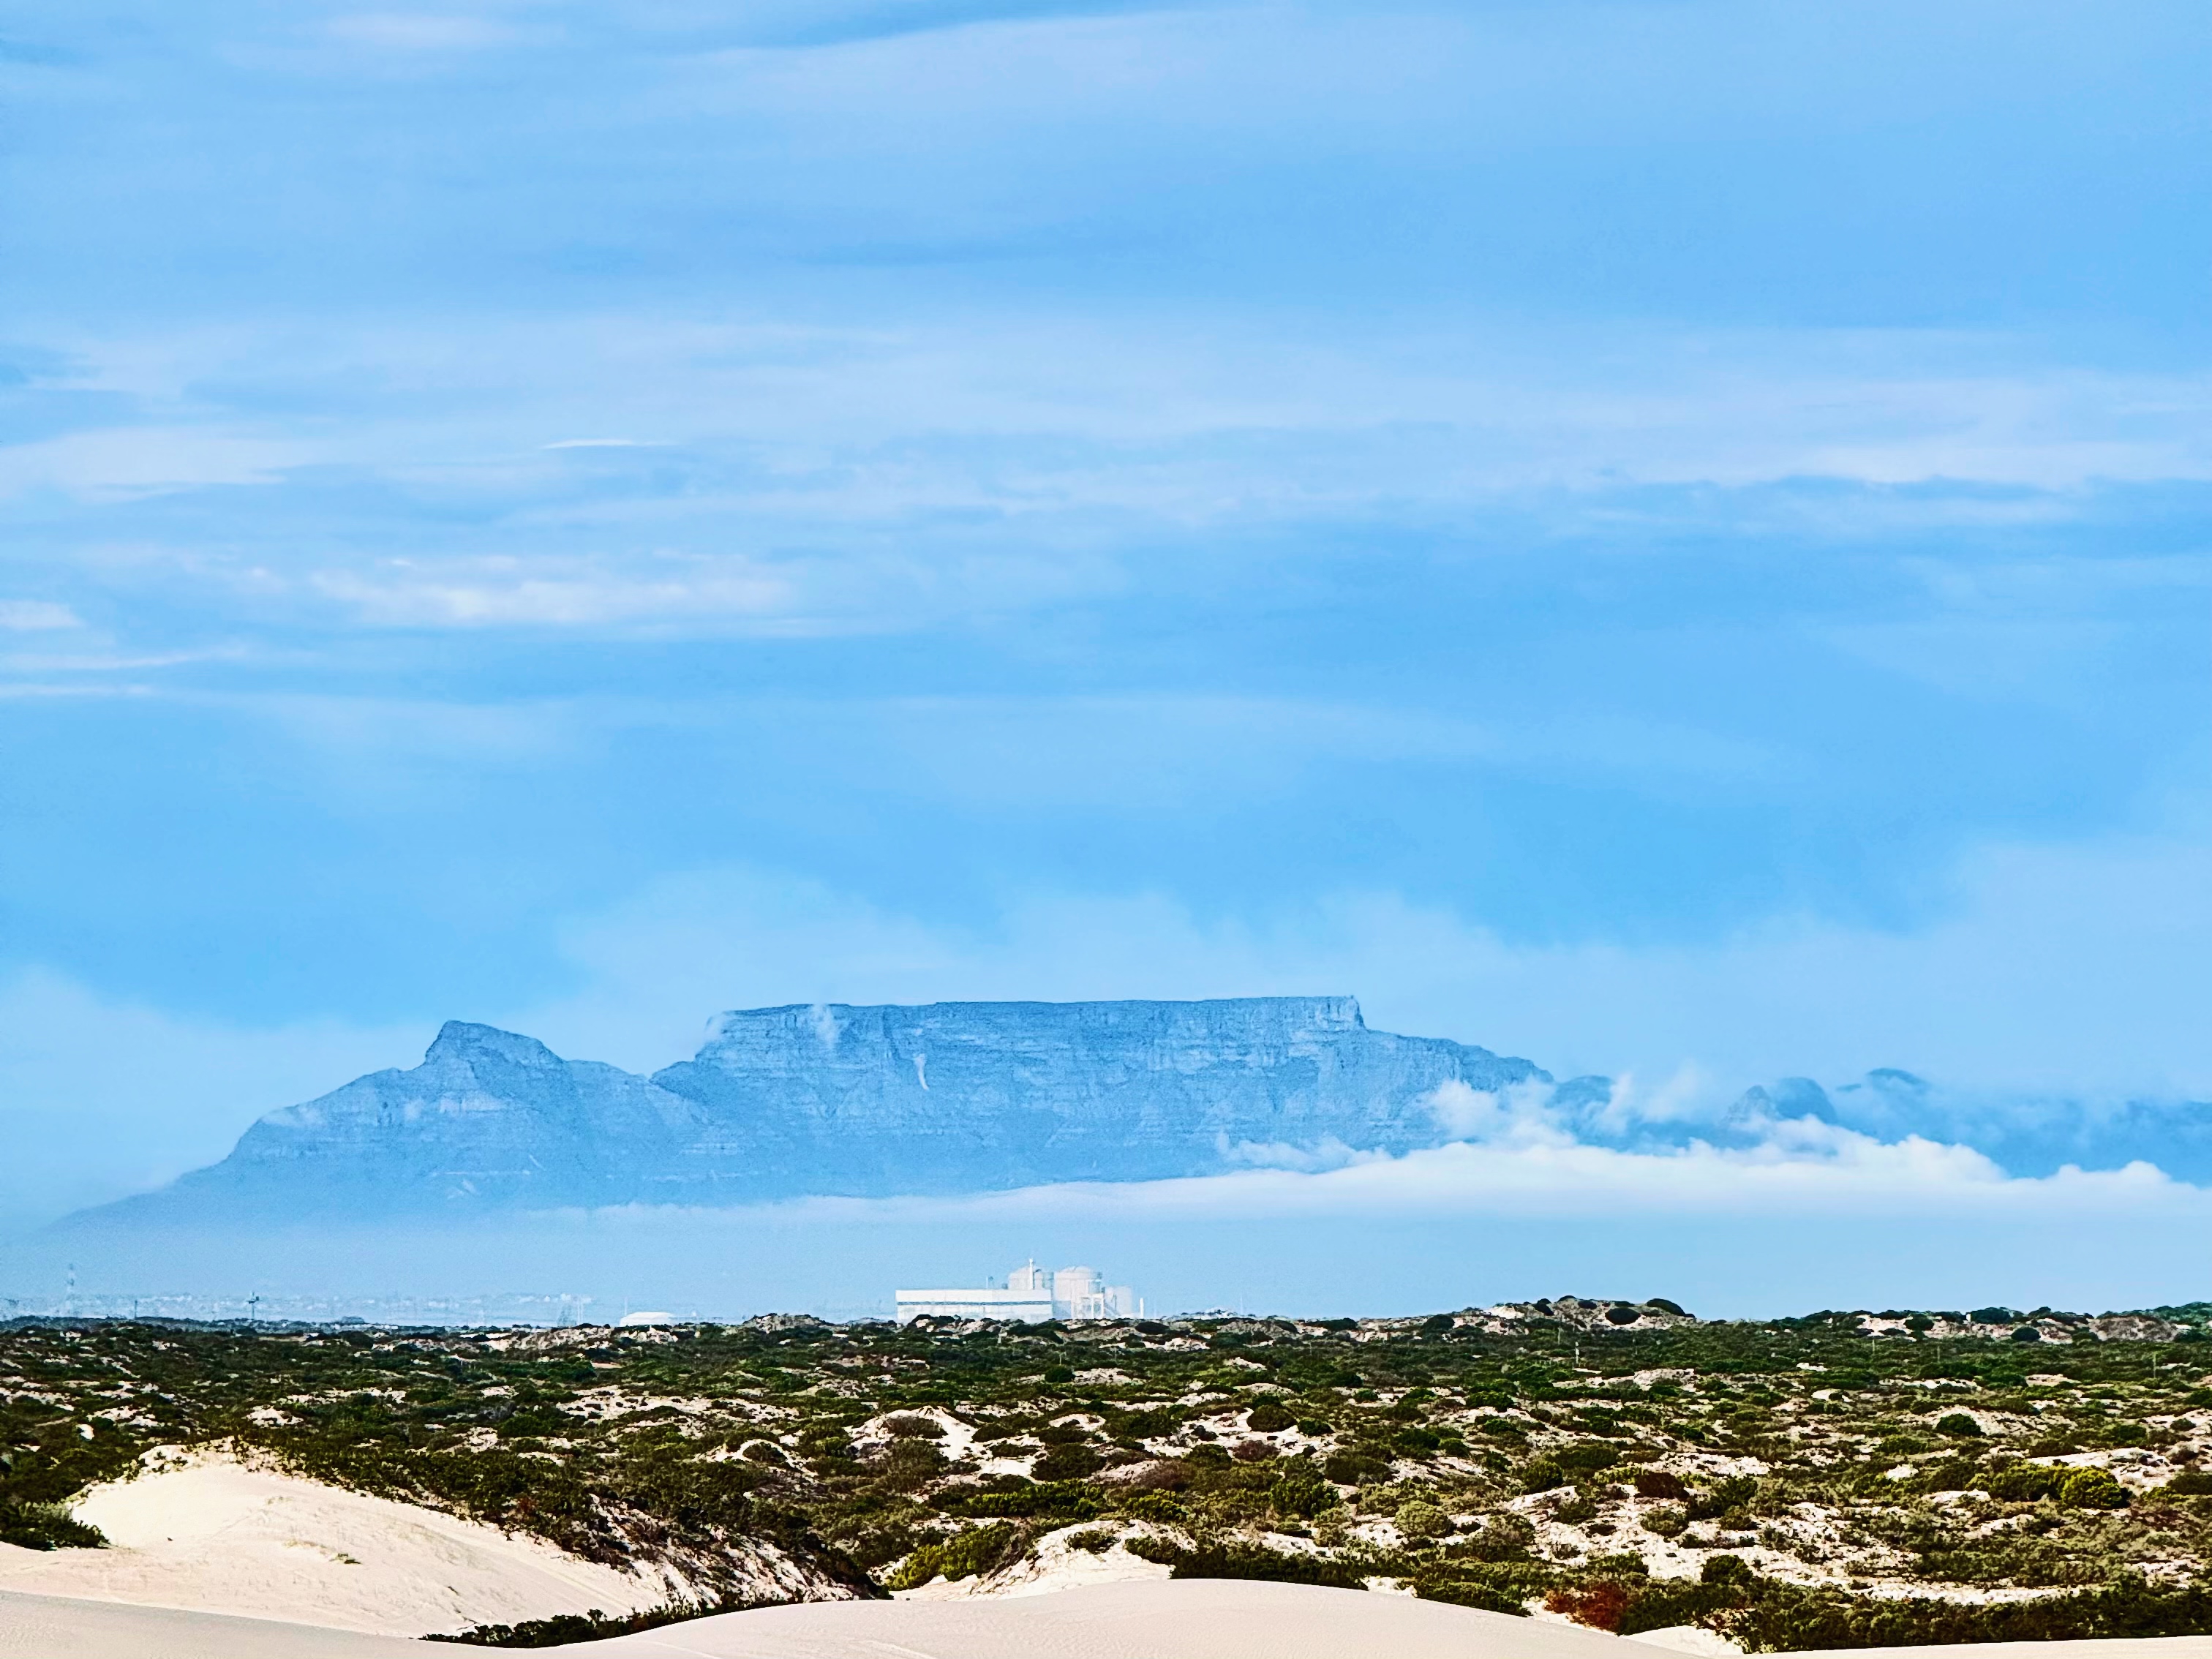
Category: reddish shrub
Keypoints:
(1599, 1605)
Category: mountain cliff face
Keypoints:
(833, 1099)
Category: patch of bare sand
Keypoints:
(1190, 1619)
(210, 1533)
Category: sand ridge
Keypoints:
(1187, 1619)
(205, 1531)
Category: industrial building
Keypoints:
(1030, 1294)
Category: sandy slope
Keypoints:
(1189, 1619)
(208, 1532)
(56, 1627)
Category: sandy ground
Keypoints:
(1196, 1619)
(55, 1627)
(208, 1533)
(1688, 1639)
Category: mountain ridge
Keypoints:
(879, 1100)
(844, 1100)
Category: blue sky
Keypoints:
(1669, 538)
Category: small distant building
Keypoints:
(1029, 1294)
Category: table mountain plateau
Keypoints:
(833, 1099)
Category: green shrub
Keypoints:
(1730, 1494)
(1469, 1593)
(1666, 1521)
(1587, 1456)
(2190, 1483)
(1502, 1537)
(1247, 1561)
(2093, 1489)
(1155, 1506)
(1542, 1474)
(1665, 1604)
(563, 1628)
(1959, 1425)
(1726, 1570)
(1787, 1617)
(1418, 1518)
(1351, 1468)
(2026, 1483)
(982, 1550)
(46, 1527)
(913, 1464)
(1066, 1463)
(1299, 1490)
(1045, 1501)
(1268, 1417)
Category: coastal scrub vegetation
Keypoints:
(1842, 1479)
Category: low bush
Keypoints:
(1066, 1463)
(1300, 1492)
(2093, 1489)
(46, 1527)
(1247, 1561)
(593, 1626)
(1417, 1518)
(1666, 1521)
(1789, 1618)
(2026, 1483)
(1351, 1469)
(1067, 1500)
(982, 1550)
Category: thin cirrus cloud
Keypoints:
(36, 615)
(419, 31)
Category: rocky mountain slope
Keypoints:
(836, 1099)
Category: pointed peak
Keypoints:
(459, 1039)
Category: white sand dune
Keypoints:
(1198, 1618)
(1186, 1619)
(210, 1533)
(62, 1627)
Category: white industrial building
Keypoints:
(1029, 1294)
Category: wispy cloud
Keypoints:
(36, 615)
(419, 31)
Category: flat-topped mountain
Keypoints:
(954, 1096)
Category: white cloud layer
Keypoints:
(1804, 1170)
(2052, 968)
